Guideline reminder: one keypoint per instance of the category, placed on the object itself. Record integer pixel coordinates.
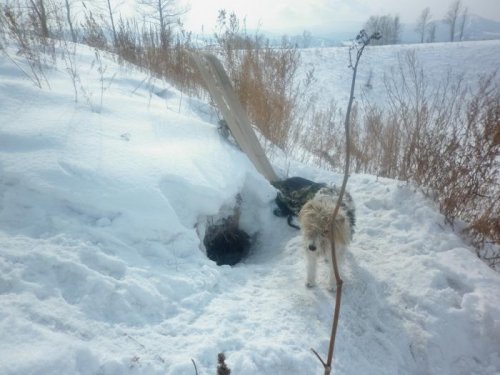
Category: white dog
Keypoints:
(315, 217)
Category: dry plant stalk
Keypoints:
(195, 368)
(265, 79)
(362, 40)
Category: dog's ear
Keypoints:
(304, 210)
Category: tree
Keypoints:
(452, 17)
(462, 23)
(165, 13)
(431, 35)
(306, 39)
(423, 23)
(396, 30)
(388, 26)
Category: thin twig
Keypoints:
(362, 39)
(195, 368)
(319, 357)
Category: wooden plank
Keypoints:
(224, 96)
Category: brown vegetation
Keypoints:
(265, 79)
(445, 140)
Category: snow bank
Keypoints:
(102, 270)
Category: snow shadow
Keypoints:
(373, 337)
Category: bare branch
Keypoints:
(195, 368)
(452, 17)
(362, 40)
(423, 23)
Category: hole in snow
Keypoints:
(226, 245)
(224, 241)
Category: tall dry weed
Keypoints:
(444, 138)
(265, 79)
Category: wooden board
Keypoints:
(224, 96)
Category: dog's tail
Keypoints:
(280, 212)
(289, 221)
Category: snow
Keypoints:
(462, 60)
(102, 270)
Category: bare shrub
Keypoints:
(17, 26)
(93, 32)
(128, 43)
(265, 79)
(445, 139)
(323, 139)
(164, 55)
(449, 146)
(182, 70)
(389, 27)
(39, 16)
(475, 196)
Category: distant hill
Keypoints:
(479, 28)
(476, 28)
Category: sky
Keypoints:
(294, 16)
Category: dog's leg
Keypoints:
(311, 269)
(332, 282)
(339, 254)
(341, 249)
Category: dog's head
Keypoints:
(315, 220)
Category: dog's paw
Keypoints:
(332, 288)
(310, 284)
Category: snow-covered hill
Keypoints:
(437, 62)
(102, 270)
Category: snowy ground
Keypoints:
(102, 270)
(464, 60)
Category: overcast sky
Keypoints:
(289, 16)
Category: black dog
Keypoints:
(293, 193)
